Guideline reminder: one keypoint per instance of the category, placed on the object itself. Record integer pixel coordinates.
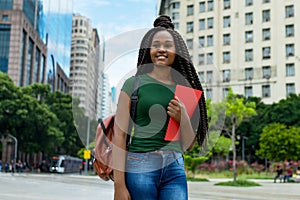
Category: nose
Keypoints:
(161, 48)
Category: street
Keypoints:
(64, 187)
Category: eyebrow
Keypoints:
(159, 41)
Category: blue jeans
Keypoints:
(156, 176)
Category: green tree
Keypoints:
(61, 105)
(237, 110)
(279, 142)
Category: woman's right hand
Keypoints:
(121, 193)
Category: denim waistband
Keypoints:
(150, 161)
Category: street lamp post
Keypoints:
(243, 147)
(16, 148)
(87, 145)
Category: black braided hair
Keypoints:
(182, 64)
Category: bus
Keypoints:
(65, 164)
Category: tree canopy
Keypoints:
(279, 142)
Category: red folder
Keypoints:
(190, 98)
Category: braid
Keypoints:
(187, 69)
(183, 64)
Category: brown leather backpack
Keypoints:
(102, 153)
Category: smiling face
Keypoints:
(163, 49)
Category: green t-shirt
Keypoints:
(151, 119)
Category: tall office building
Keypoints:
(106, 97)
(85, 65)
(22, 51)
(248, 45)
(32, 47)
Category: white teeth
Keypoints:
(161, 57)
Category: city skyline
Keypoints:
(115, 21)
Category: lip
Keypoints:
(161, 56)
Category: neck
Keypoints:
(162, 73)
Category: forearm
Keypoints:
(119, 158)
(188, 135)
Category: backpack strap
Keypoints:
(133, 105)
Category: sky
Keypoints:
(121, 25)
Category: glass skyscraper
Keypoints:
(57, 36)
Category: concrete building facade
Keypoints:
(85, 64)
(23, 53)
(251, 46)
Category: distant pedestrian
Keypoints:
(279, 174)
(288, 175)
(6, 167)
(0, 165)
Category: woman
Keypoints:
(153, 167)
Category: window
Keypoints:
(226, 21)
(266, 91)
(201, 59)
(266, 34)
(289, 11)
(5, 18)
(226, 39)
(210, 40)
(290, 89)
(6, 4)
(290, 69)
(201, 76)
(202, 7)
(190, 10)
(190, 27)
(266, 1)
(209, 93)
(266, 72)
(249, 36)
(209, 76)
(5, 31)
(290, 50)
(248, 55)
(201, 24)
(210, 58)
(225, 92)
(266, 52)
(176, 25)
(266, 15)
(226, 57)
(201, 41)
(249, 2)
(210, 23)
(175, 15)
(289, 30)
(210, 5)
(189, 43)
(226, 75)
(226, 4)
(248, 91)
(249, 73)
(249, 18)
(176, 5)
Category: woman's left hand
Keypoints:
(176, 109)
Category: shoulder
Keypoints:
(128, 85)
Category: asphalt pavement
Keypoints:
(28, 186)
